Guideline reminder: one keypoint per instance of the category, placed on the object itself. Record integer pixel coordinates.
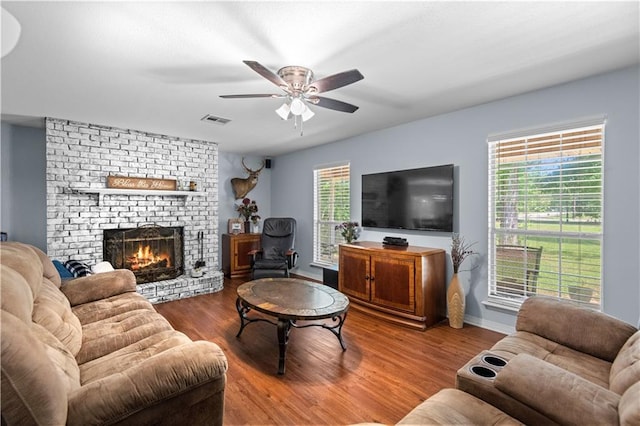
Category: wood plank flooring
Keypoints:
(386, 371)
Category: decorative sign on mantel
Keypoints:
(126, 182)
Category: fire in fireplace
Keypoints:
(152, 252)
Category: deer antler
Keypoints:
(252, 171)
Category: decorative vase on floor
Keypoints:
(455, 303)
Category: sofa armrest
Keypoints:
(562, 396)
(99, 286)
(574, 326)
(150, 386)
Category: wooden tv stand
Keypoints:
(405, 285)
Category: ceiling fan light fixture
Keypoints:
(297, 106)
(307, 113)
(283, 111)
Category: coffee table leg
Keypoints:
(341, 319)
(284, 327)
(242, 311)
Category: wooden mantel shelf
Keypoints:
(154, 192)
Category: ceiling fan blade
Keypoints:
(267, 73)
(332, 104)
(255, 95)
(335, 81)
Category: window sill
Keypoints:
(501, 304)
(324, 265)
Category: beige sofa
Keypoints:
(565, 364)
(93, 351)
(454, 407)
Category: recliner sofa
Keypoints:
(93, 351)
(565, 364)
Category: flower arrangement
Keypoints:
(350, 231)
(247, 209)
(460, 250)
(255, 219)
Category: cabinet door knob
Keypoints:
(366, 277)
(372, 278)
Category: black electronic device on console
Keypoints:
(395, 241)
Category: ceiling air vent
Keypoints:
(217, 120)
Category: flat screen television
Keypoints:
(417, 199)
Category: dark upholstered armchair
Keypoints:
(277, 254)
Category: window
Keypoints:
(545, 214)
(330, 208)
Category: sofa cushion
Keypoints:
(152, 390)
(52, 311)
(591, 332)
(24, 260)
(625, 370)
(15, 297)
(131, 355)
(63, 360)
(111, 334)
(110, 307)
(629, 406)
(49, 271)
(563, 397)
(454, 407)
(99, 286)
(33, 390)
(591, 368)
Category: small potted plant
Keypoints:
(350, 231)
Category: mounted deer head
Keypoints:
(241, 187)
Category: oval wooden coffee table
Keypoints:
(289, 300)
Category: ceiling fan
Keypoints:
(300, 90)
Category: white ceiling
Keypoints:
(161, 66)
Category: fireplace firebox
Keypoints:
(151, 252)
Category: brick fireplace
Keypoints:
(80, 156)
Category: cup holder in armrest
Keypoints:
(485, 372)
(494, 360)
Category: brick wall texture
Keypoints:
(80, 156)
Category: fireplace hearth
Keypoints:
(151, 252)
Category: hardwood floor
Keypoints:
(386, 371)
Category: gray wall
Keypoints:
(23, 197)
(460, 138)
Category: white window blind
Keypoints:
(545, 214)
(331, 194)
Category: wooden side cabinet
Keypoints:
(405, 285)
(236, 261)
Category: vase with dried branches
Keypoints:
(460, 250)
